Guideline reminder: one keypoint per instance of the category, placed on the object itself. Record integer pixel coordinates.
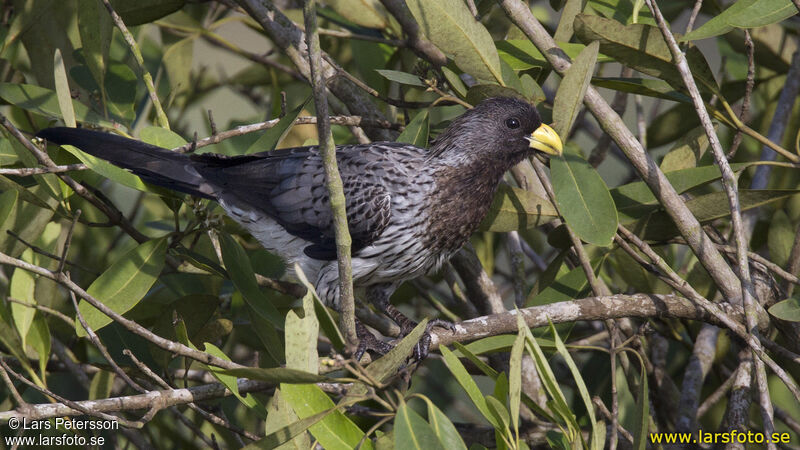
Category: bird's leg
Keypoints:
(367, 342)
(379, 296)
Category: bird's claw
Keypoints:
(367, 342)
(422, 348)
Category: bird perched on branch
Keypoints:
(409, 209)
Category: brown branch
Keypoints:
(421, 46)
(28, 171)
(590, 308)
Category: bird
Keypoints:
(409, 209)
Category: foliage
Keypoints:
(205, 303)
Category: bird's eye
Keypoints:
(512, 123)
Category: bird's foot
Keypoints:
(367, 342)
(422, 347)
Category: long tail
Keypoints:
(153, 164)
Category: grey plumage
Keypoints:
(408, 208)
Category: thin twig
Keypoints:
(695, 11)
(47, 254)
(216, 420)
(303, 120)
(133, 402)
(161, 117)
(128, 324)
(333, 180)
(28, 171)
(68, 241)
(113, 214)
(744, 113)
(76, 406)
(100, 347)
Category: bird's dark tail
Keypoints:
(153, 164)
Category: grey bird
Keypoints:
(409, 209)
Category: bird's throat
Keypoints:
(462, 198)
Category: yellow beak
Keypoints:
(545, 139)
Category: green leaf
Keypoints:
(451, 27)
(642, 424)
(780, 238)
(8, 211)
(623, 11)
(643, 48)
(95, 28)
(559, 403)
(416, 132)
(788, 309)
(455, 82)
(283, 435)
(124, 283)
(44, 101)
(280, 415)
(515, 378)
(569, 97)
(412, 432)
(598, 428)
(480, 92)
(273, 136)
(571, 9)
(326, 320)
(643, 86)
(744, 14)
(521, 54)
(39, 338)
(230, 381)
(634, 200)
(517, 209)
(263, 314)
(463, 352)
(178, 64)
(301, 334)
(687, 151)
(443, 428)
(468, 384)
(238, 266)
(658, 226)
(161, 137)
(101, 385)
(145, 11)
(499, 412)
(367, 13)
(583, 199)
(62, 90)
(22, 288)
(276, 375)
(565, 287)
(335, 431)
(401, 77)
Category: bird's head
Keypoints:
(504, 128)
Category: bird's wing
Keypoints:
(289, 186)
